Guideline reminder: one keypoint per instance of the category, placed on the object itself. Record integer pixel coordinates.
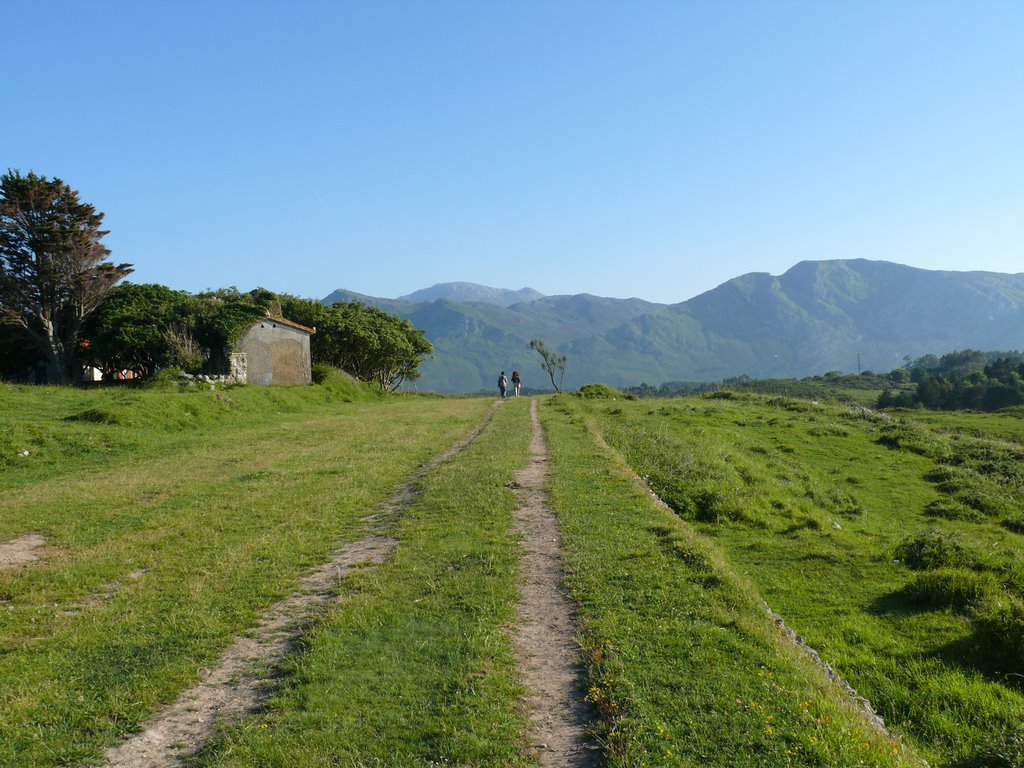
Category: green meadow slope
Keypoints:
(891, 545)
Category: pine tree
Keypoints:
(53, 267)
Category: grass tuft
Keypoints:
(951, 509)
(932, 549)
(954, 588)
(999, 626)
(1003, 750)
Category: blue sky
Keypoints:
(649, 149)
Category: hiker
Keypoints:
(502, 384)
(516, 382)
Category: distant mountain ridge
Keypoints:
(463, 292)
(817, 316)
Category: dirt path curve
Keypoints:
(243, 678)
(546, 636)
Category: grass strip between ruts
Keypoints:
(685, 666)
(414, 665)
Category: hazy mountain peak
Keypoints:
(465, 292)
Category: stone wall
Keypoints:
(238, 367)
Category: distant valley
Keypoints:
(818, 316)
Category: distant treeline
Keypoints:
(980, 381)
(966, 379)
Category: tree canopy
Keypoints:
(364, 341)
(999, 384)
(53, 267)
(143, 328)
(129, 332)
(18, 352)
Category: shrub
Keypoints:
(952, 588)
(321, 372)
(602, 392)
(705, 503)
(96, 416)
(987, 501)
(677, 500)
(165, 378)
(978, 491)
(1005, 468)
(930, 550)
(718, 504)
(804, 524)
(1011, 576)
(834, 499)
(722, 394)
(828, 430)
(944, 473)
(790, 404)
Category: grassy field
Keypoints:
(892, 546)
(172, 519)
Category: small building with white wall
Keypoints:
(274, 351)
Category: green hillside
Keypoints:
(818, 316)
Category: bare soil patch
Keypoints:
(545, 638)
(243, 679)
(21, 551)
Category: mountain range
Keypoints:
(816, 317)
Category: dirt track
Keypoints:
(240, 683)
(546, 634)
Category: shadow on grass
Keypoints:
(898, 603)
(970, 653)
